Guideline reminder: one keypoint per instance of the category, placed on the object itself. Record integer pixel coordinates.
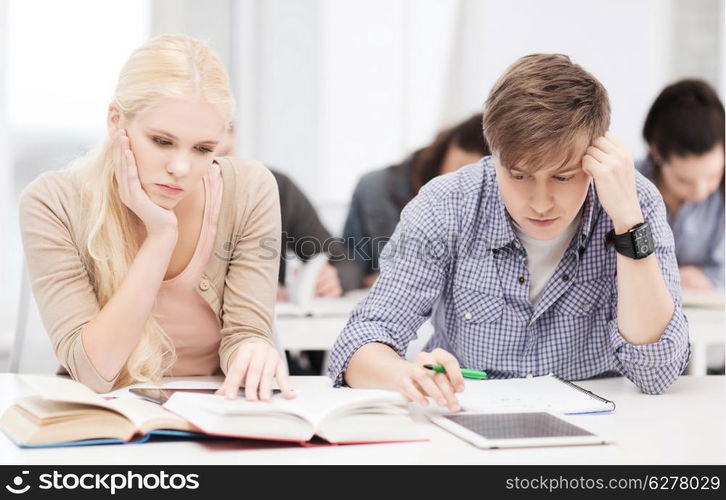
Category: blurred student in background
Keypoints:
(684, 130)
(380, 195)
(305, 236)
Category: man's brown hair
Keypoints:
(540, 109)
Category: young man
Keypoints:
(550, 256)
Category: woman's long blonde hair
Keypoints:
(168, 66)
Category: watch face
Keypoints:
(642, 241)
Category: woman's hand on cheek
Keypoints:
(156, 218)
(254, 364)
(611, 166)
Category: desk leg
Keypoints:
(326, 361)
(697, 363)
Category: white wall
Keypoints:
(329, 89)
(333, 89)
(626, 44)
(698, 40)
(383, 84)
(6, 175)
(59, 62)
(209, 20)
(65, 58)
(7, 298)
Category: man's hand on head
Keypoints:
(611, 166)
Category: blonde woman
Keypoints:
(150, 257)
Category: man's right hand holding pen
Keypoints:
(417, 383)
(378, 366)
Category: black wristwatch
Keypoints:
(637, 243)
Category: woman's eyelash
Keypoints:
(163, 142)
(562, 179)
(160, 141)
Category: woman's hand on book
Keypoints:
(417, 383)
(254, 364)
(156, 219)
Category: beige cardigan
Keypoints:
(239, 281)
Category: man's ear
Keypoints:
(655, 154)
(113, 120)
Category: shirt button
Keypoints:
(565, 277)
(585, 307)
(468, 315)
(521, 280)
(517, 244)
(204, 285)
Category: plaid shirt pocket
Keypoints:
(583, 298)
(474, 306)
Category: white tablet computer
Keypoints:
(510, 430)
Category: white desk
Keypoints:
(684, 426)
(315, 333)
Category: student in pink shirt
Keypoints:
(150, 256)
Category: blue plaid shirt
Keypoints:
(455, 258)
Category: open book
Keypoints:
(67, 413)
(336, 415)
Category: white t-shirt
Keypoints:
(543, 256)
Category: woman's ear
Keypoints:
(113, 120)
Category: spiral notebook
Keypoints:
(548, 393)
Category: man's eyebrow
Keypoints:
(172, 136)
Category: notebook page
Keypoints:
(527, 394)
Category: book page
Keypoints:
(217, 415)
(44, 410)
(36, 421)
(147, 416)
(311, 405)
(527, 394)
(317, 405)
(63, 389)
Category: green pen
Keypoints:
(474, 374)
